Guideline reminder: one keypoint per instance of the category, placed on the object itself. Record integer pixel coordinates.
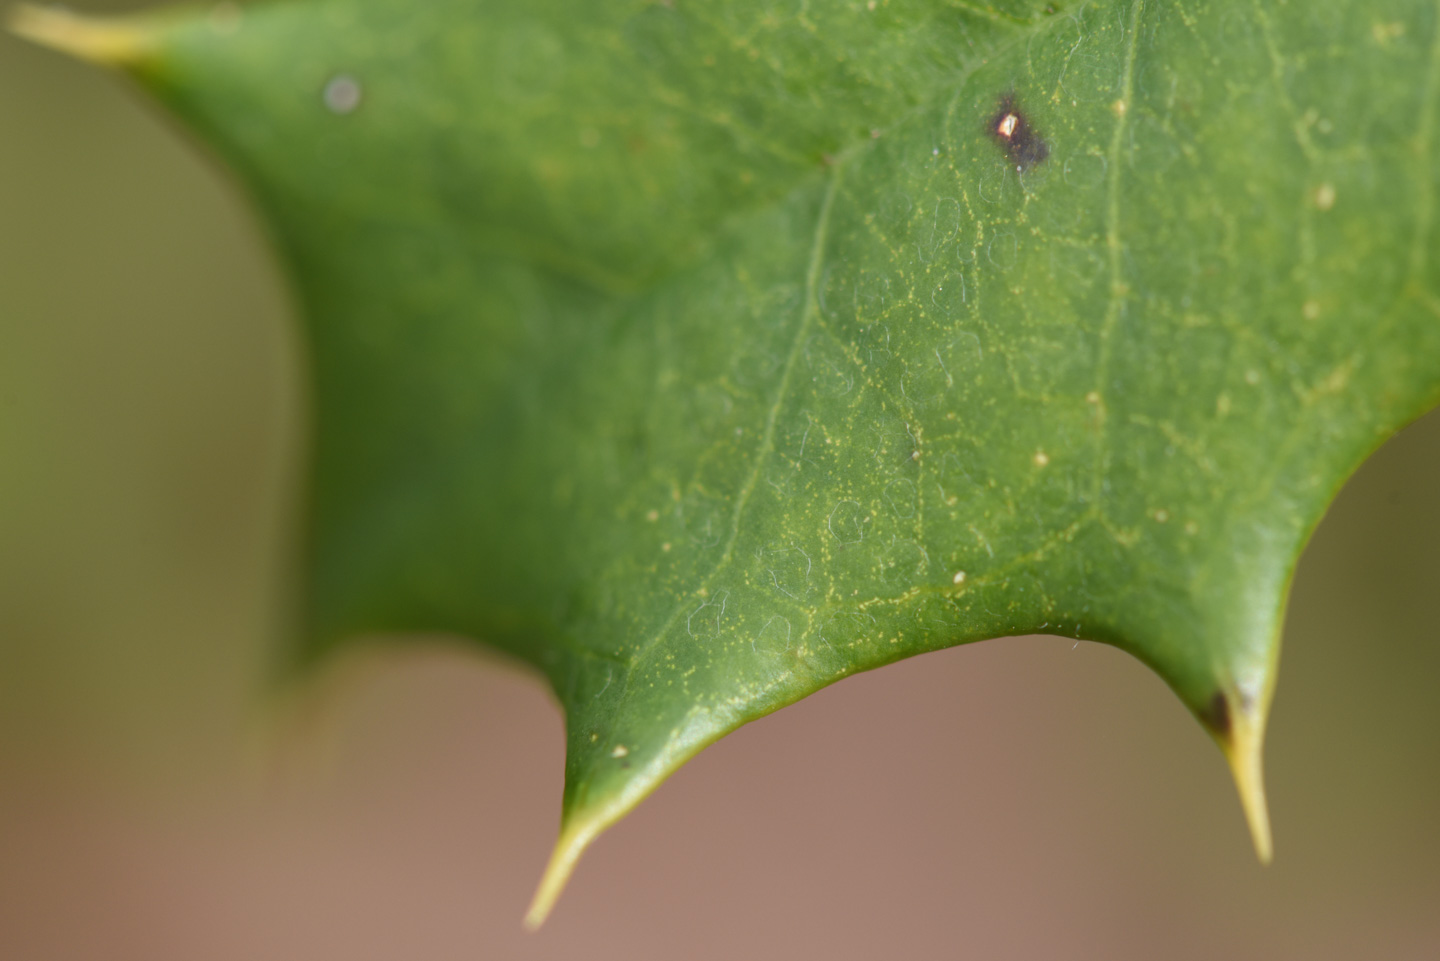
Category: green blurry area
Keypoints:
(149, 427)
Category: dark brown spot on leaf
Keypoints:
(1217, 714)
(1016, 135)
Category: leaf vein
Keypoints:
(1114, 246)
(767, 439)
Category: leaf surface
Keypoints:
(703, 354)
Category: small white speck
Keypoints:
(1252, 377)
(653, 516)
(1041, 458)
(342, 94)
(1007, 125)
(1324, 197)
(1093, 397)
(1311, 309)
(665, 547)
(935, 152)
(959, 577)
(1161, 516)
(620, 751)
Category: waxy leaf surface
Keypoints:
(704, 353)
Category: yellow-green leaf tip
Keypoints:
(573, 841)
(1243, 744)
(107, 42)
(582, 825)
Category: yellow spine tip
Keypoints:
(573, 841)
(1244, 749)
(109, 43)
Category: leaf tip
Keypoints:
(1244, 755)
(109, 43)
(1240, 732)
(573, 841)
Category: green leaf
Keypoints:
(704, 353)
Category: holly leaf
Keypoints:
(703, 354)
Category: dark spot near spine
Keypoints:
(1016, 135)
(1216, 714)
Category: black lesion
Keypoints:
(1016, 135)
(1216, 714)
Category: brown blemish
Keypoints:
(1013, 131)
(1216, 714)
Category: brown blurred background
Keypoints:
(1018, 799)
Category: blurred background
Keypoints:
(1026, 798)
